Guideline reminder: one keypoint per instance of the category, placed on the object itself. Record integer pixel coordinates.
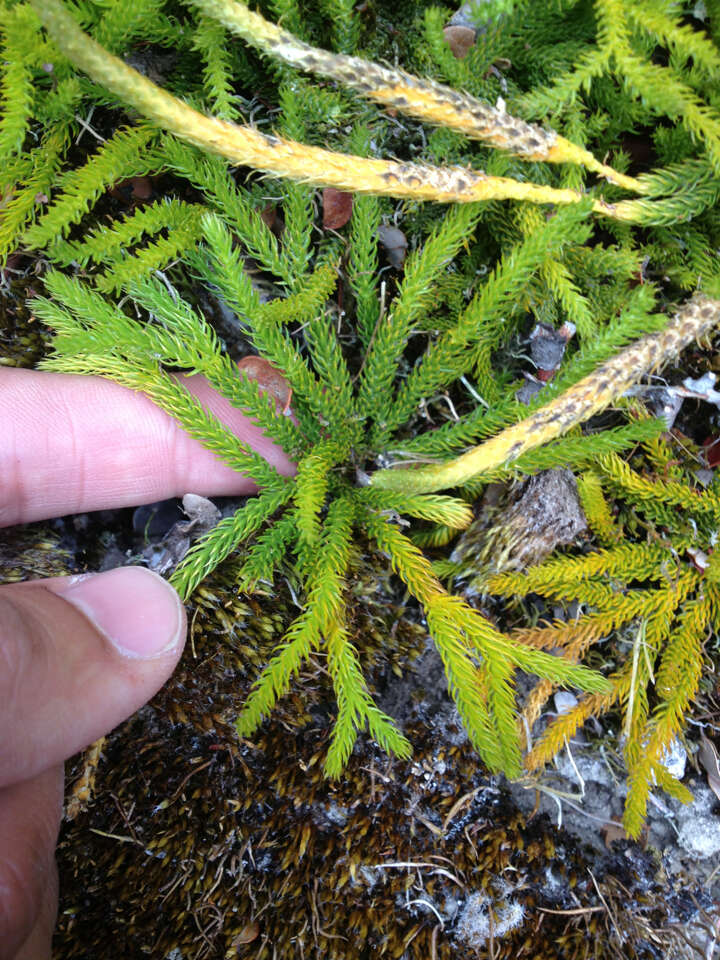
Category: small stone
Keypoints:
(547, 347)
(565, 701)
(530, 389)
(704, 476)
(395, 243)
(698, 558)
(201, 512)
(700, 835)
(674, 759)
(470, 15)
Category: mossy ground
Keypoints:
(197, 845)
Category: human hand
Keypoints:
(80, 654)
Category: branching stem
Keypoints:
(590, 395)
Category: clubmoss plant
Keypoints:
(316, 515)
(372, 362)
(656, 568)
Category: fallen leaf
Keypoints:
(269, 216)
(613, 831)
(698, 558)
(460, 40)
(711, 448)
(269, 378)
(132, 190)
(337, 207)
(249, 932)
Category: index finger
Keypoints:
(70, 444)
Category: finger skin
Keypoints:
(72, 444)
(62, 683)
(29, 823)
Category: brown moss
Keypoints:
(215, 847)
(31, 551)
(23, 339)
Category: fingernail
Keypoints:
(138, 611)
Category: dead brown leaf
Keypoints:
(460, 40)
(269, 379)
(337, 208)
(249, 932)
(612, 831)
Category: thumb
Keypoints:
(77, 656)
